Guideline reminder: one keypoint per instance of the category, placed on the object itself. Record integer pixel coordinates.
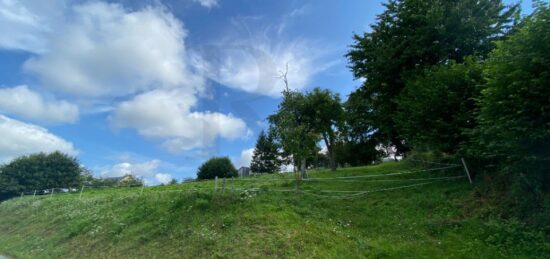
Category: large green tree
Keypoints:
(295, 129)
(514, 118)
(410, 36)
(436, 110)
(40, 171)
(266, 157)
(515, 106)
(324, 108)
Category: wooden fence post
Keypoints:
(216, 184)
(223, 185)
(81, 190)
(466, 169)
(34, 195)
(53, 189)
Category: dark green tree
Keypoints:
(437, 108)
(266, 157)
(514, 118)
(295, 129)
(324, 108)
(217, 166)
(515, 106)
(40, 171)
(410, 36)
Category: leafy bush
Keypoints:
(217, 166)
(38, 172)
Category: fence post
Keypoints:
(142, 187)
(466, 169)
(232, 184)
(223, 185)
(81, 190)
(53, 189)
(216, 184)
(34, 194)
(22, 194)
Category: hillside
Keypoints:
(264, 217)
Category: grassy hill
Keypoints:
(264, 217)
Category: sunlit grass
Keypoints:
(250, 218)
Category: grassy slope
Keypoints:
(425, 221)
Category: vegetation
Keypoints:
(266, 157)
(189, 220)
(39, 172)
(217, 166)
(413, 35)
(461, 78)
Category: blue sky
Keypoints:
(155, 88)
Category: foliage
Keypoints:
(437, 108)
(266, 154)
(515, 109)
(357, 153)
(217, 166)
(295, 128)
(327, 115)
(514, 117)
(40, 171)
(410, 36)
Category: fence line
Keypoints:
(344, 179)
(361, 193)
(429, 162)
(391, 174)
(381, 180)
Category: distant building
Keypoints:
(244, 171)
(120, 179)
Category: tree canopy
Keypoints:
(266, 157)
(40, 171)
(410, 36)
(217, 166)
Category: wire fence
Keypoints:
(249, 184)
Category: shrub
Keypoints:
(216, 166)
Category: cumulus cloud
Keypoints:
(166, 115)
(246, 158)
(163, 178)
(20, 138)
(148, 171)
(207, 3)
(24, 102)
(106, 50)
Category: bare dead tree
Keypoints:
(283, 76)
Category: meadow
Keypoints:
(408, 213)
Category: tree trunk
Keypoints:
(331, 156)
(303, 168)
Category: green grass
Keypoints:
(254, 220)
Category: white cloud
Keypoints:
(24, 102)
(106, 50)
(25, 24)
(148, 171)
(167, 115)
(20, 138)
(246, 158)
(256, 66)
(163, 178)
(144, 169)
(207, 3)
